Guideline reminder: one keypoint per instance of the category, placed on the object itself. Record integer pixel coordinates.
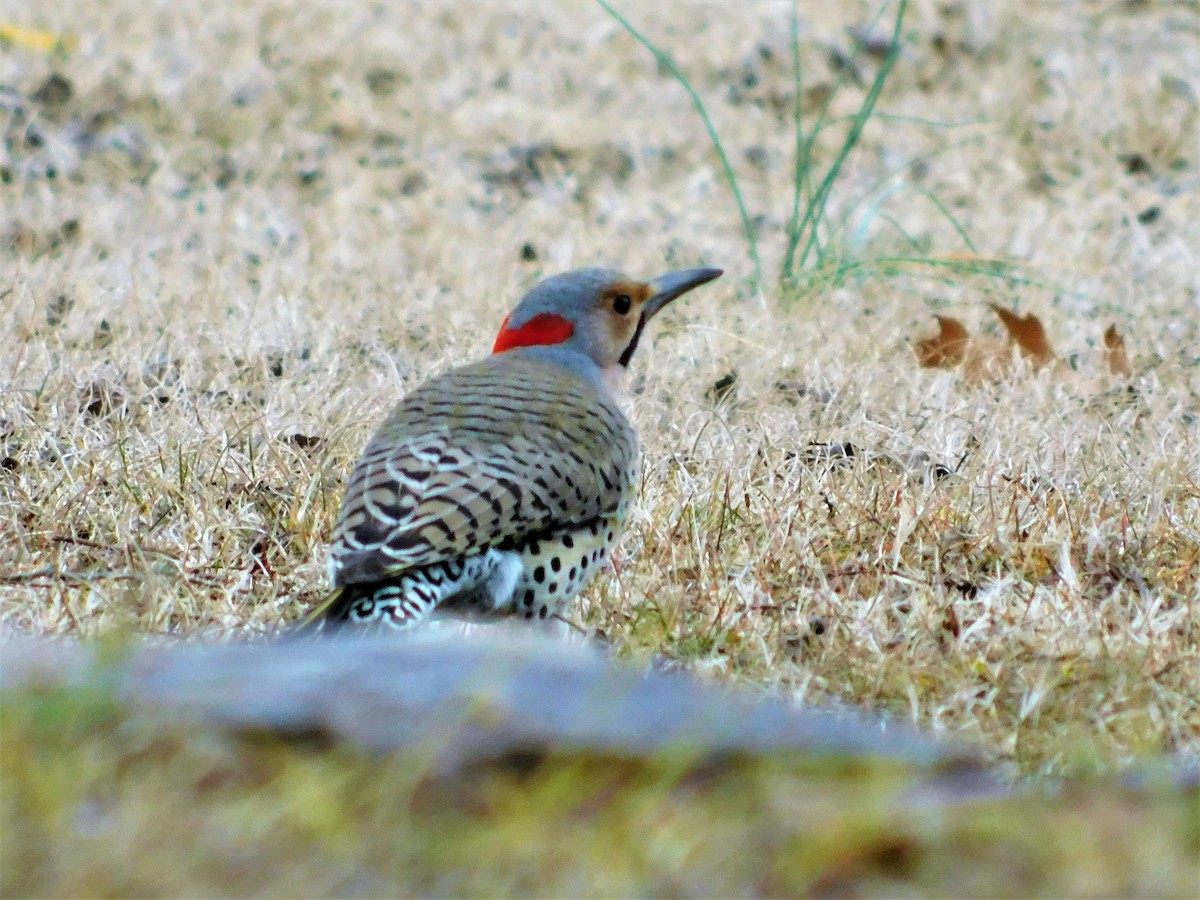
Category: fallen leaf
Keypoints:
(980, 359)
(1027, 333)
(1114, 352)
(947, 348)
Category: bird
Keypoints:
(498, 488)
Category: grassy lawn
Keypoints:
(231, 235)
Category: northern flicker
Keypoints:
(500, 487)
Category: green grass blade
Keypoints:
(795, 229)
(881, 183)
(817, 208)
(800, 174)
(667, 63)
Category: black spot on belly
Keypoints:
(543, 612)
(529, 597)
(556, 564)
(568, 541)
(571, 574)
(539, 574)
(583, 562)
(553, 587)
(533, 548)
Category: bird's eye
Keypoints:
(622, 304)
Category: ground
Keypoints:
(233, 234)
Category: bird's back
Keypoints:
(489, 454)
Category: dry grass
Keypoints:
(285, 216)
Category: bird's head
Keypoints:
(597, 312)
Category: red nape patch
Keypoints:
(540, 331)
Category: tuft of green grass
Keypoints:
(807, 233)
(806, 228)
(820, 254)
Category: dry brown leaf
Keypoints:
(947, 348)
(1027, 333)
(980, 359)
(1114, 352)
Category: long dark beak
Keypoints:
(674, 284)
(665, 289)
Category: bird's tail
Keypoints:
(323, 617)
(395, 603)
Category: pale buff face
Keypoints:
(614, 321)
